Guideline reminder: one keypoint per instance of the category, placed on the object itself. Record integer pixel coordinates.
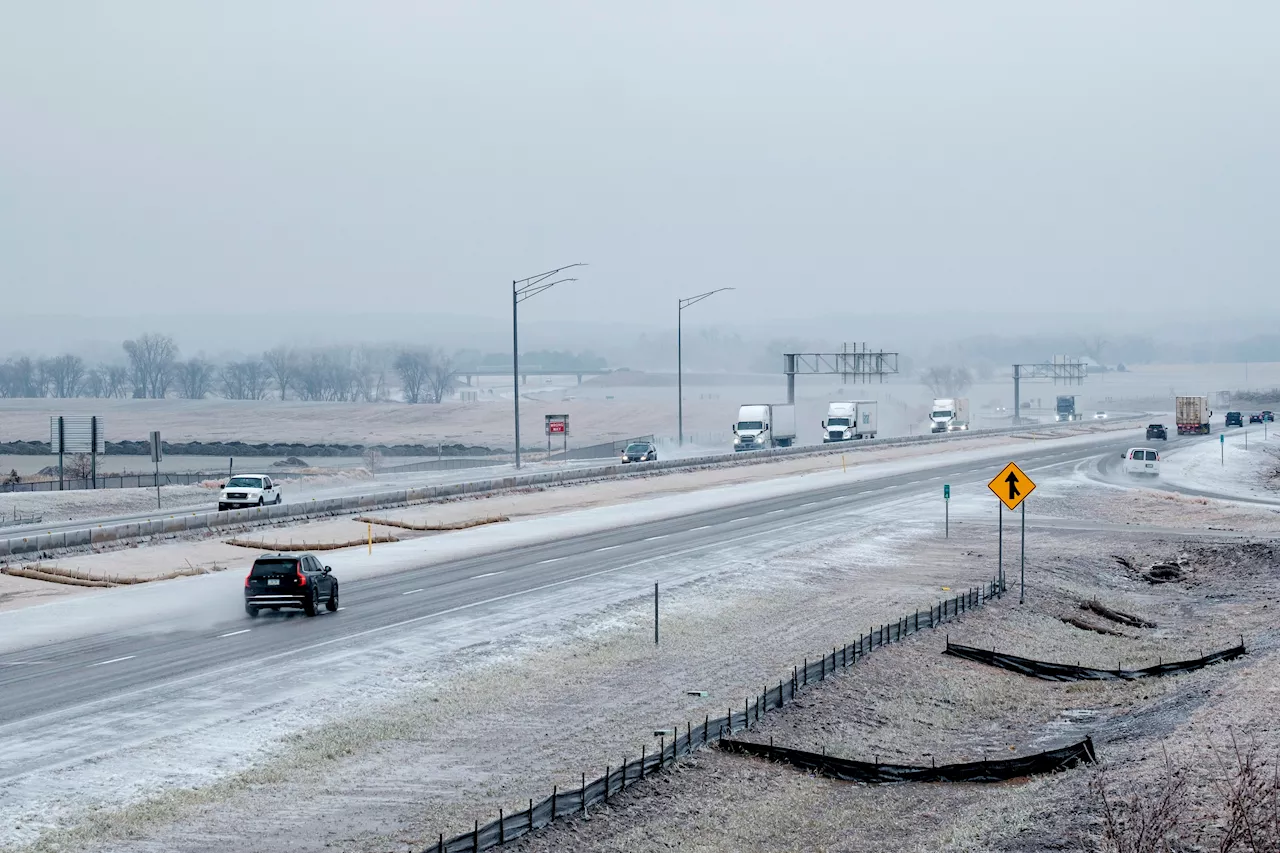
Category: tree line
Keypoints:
(153, 368)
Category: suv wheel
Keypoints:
(251, 610)
(332, 604)
(310, 606)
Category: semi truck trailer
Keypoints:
(762, 425)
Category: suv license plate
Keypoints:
(276, 581)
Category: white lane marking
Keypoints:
(744, 518)
(810, 503)
(552, 560)
(656, 538)
(607, 548)
(233, 633)
(412, 591)
(703, 527)
(113, 660)
(258, 662)
(22, 663)
(776, 511)
(487, 575)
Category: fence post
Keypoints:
(553, 802)
(642, 761)
(475, 838)
(706, 724)
(583, 794)
(806, 671)
(502, 832)
(531, 814)
(607, 768)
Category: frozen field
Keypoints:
(598, 411)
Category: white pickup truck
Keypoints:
(249, 490)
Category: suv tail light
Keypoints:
(246, 580)
(302, 579)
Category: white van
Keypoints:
(1142, 460)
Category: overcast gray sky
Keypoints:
(413, 157)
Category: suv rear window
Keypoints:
(274, 568)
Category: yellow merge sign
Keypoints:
(1012, 486)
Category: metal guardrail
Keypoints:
(176, 524)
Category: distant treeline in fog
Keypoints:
(151, 366)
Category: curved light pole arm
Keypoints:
(683, 304)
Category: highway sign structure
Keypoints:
(1012, 486)
(558, 425)
(77, 434)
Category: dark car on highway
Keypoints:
(289, 580)
(1267, 416)
(1157, 431)
(1234, 419)
(1255, 418)
(640, 451)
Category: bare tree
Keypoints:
(1093, 347)
(79, 466)
(20, 378)
(195, 378)
(115, 380)
(412, 365)
(152, 359)
(441, 377)
(282, 365)
(947, 381)
(64, 375)
(244, 380)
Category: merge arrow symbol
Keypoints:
(1012, 480)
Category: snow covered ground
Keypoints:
(417, 710)
(1241, 465)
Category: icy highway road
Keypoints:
(56, 686)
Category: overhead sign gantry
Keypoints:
(858, 364)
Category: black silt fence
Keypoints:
(692, 737)
(1002, 770)
(1067, 672)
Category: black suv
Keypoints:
(1157, 431)
(1234, 419)
(288, 580)
(639, 451)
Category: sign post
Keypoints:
(1012, 486)
(157, 453)
(1222, 449)
(77, 434)
(558, 425)
(946, 503)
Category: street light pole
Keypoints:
(683, 304)
(522, 289)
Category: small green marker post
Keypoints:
(946, 503)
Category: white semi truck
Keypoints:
(762, 425)
(850, 419)
(1192, 415)
(949, 414)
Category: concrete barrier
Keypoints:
(33, 543)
